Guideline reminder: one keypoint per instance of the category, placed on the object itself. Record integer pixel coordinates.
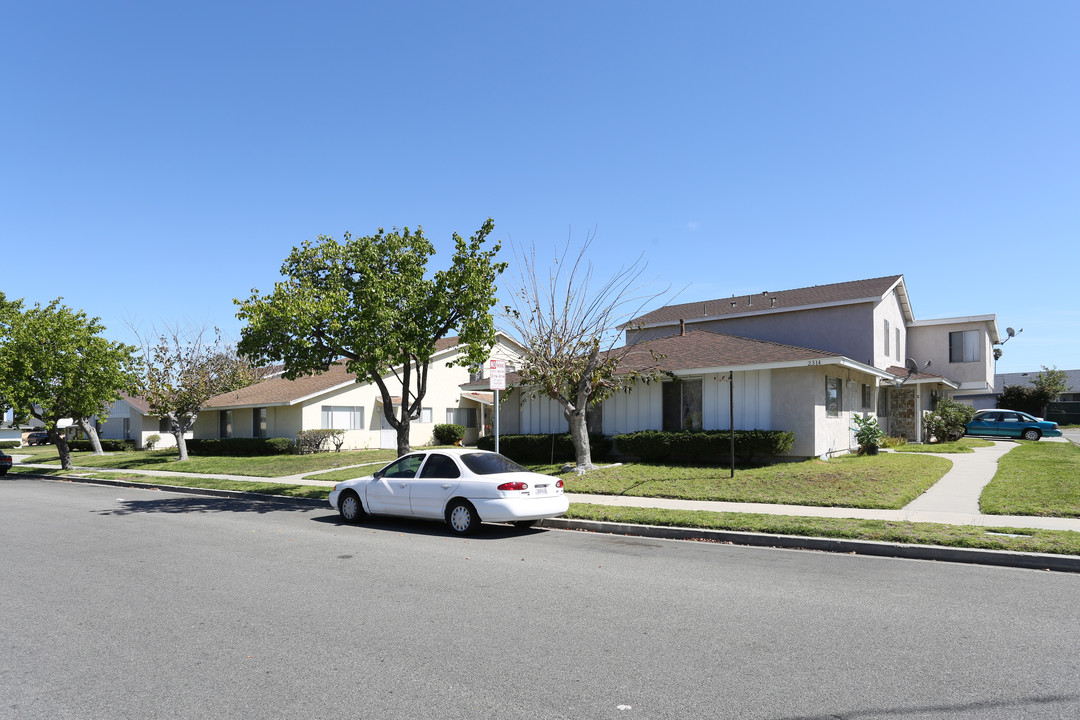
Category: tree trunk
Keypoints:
(178, 431)
(579, 434)
(62, 448)
(91, 433)
(403, 435)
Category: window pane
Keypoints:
(691, 404)
(672, 406)
(832, 397)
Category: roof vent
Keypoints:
(772, 302)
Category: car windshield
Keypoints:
(490, 463)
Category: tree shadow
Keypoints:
(974, 708)
(198, 504)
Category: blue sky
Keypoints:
(159, 160)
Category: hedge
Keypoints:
(544, 448)
(106, 445)
(247, 447)
(9, 444)
(704, 446)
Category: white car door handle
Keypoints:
(446, 486)
(403, 485)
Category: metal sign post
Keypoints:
(497, 382)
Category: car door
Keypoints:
(435, 484)
(1010, 425)
(388, 491)
(984, 424)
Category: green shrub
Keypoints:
(240, 447)
(448, 434)
(704, 445)
(947, 421)
(9, 444)
(315, 441)
(106, 445)
(544, 448)
(152, 440)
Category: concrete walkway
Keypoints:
(953, 500)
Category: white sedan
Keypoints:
(462, 486)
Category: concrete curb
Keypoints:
(1003, 558)
(999, 558)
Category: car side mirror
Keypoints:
(378, 474)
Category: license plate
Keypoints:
(540, 490)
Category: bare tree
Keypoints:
(182, 369)
(570, 330)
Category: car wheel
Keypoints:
(524, 524)
(350, 507)
(461, 517)
(1031, 434)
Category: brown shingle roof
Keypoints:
(699, 349)
(780, 300)
(279, 391)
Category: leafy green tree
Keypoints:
(1019, 397)
(569, 330)
(370, 301)
(1048, 385)
(182, 369)
(55, 365)
(946, 423)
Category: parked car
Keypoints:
(5, 462)
(38, 437)
(1011, 423)
(460, 486)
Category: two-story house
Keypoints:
(803, 360)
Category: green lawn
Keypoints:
(262, 466)
(1037, 478)
(963, 445)
(888, 480)
(1061, 542)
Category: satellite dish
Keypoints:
(912, 366)
(1010, 332)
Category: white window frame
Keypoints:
(967, 343)
(839, 385)
(342, 417)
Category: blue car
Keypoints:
(1011, 423)
(5, 462)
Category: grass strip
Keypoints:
(1059, 542)
(885, 481)
(259, 466)
(1038, 478)
(963, 445)
(261, 488)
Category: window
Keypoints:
(883, 402)
(440, 466)
(425, 415)
(461, 416)
(258, 422)
(867, 397)
(898, 353)
(405, 467)
(225, 424)
(682, 405)
(886, 338)
(833, 397)
(964, 346)
(164, 426)
(342, 417)
(127, 428)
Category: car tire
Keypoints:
(350, 507)
(1031, 434)
(461, 518)
(525, 524)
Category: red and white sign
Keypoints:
(497, 372)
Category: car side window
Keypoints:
(1009, 417)
(440, 466)
(405, 467)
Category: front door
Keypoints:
(387, 434)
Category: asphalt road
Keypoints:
(129, 603)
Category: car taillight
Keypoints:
(514, 486)
(559, 484)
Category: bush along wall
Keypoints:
(704, 445)
(449, 434)
(106, 445)
(247, 447)
(544, 448)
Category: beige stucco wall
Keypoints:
(931, 342)
(889, 309)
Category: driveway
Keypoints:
(1072, 435)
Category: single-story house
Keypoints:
(130, 418)
(335, 399)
